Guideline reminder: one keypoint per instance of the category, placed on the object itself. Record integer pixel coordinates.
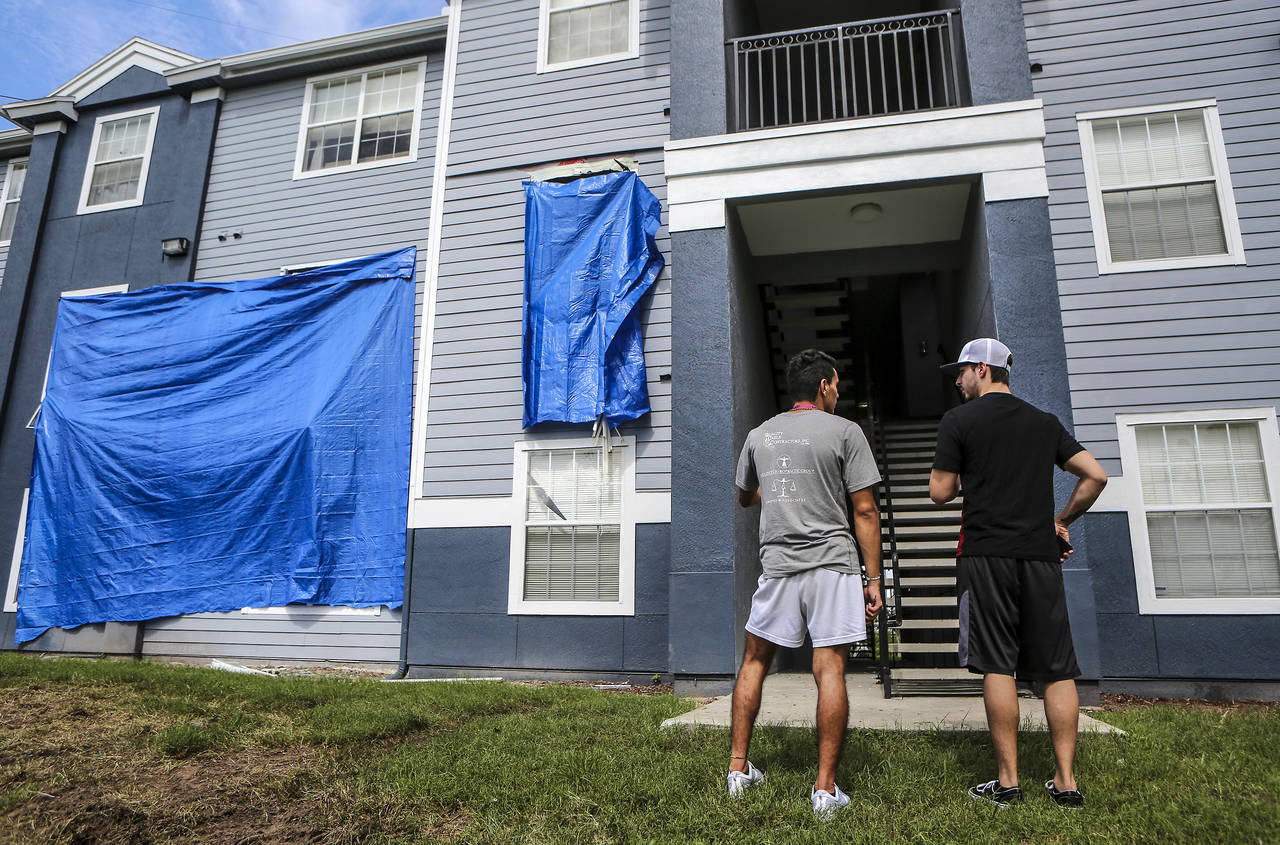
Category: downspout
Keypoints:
(402, 668)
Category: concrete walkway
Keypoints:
(789, 700)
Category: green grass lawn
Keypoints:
(98, 751)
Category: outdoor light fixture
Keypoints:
(865, 212)
(173, 247)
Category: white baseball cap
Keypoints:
(984, 350)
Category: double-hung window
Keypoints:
(14, 179)
(1159, 188)
(573, 538)
(119, 158)
(362, 119)
(1204, 524)
(573, 33)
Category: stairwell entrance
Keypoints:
(891, 300)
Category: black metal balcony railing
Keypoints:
(860, 69)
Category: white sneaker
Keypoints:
(740, 782)
(825, 803)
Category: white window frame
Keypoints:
(1222, 183)
(313, 611)
(544, 29)
(1148, 603)
(8, 180)
(626, 603)
(84, 207)
(312, 81)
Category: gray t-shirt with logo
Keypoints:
(806, 464)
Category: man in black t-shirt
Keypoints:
(1013, 609)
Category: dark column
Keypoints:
(697, 69)
(701, 588)
(995, 50)
(1028, 317)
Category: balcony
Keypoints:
(885, 66)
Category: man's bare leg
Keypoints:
(1000, 695)
(756, 659)
(1062, 710)
(833, 711)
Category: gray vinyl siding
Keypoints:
(1169, 339)
(314, 220)
(248, 636)
(284, 222)
(507, 121)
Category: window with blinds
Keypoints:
(580, 32)
(573, 525)
(1159, 188)
(15, 178)
(573, 539)
(1209, 509)
(360, 119)
(119, 158)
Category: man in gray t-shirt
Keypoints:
(800, 466)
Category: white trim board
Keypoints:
(20, 539)
(431, 279)
(1004, 143)
(136, 52)
(1130, 495)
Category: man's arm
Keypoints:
(748, 499)
(943, 486)
(866, 529)
(1092, 478)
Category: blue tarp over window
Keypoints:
(590, 256)
(213, 446)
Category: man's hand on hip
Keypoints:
(874, 604)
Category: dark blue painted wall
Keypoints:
(55, 249)
(458, 616)
(995, 51)
(1169, 646)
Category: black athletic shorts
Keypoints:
(1013, 618)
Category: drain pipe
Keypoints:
(402, 668)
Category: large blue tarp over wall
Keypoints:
(213, 446)
(590, 255)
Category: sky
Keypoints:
(47, 42)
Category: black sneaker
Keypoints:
(1065, 797)
(993, 793)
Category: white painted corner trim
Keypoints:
(1002, 143)
(431, 274)
(1127, 497)
(11, 593)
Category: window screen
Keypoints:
(573, 514)
(1209, 510)
(1159, 188)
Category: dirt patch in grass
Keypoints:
(608, 686)
(79, 766)
(1119, 701)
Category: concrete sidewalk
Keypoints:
(790, 699)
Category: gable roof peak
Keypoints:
(136, 52)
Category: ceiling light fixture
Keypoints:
(865, 212)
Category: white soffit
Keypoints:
(817, 224)
(136, 52)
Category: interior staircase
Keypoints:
(921, 588)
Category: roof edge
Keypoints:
(249, 68)
(14, 141)
(30, 112)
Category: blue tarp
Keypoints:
(213, 446)
(590, 256)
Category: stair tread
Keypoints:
(926, 648)
(928, 601)
(928, 624)
(946, 674)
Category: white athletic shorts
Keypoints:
(829, 603)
